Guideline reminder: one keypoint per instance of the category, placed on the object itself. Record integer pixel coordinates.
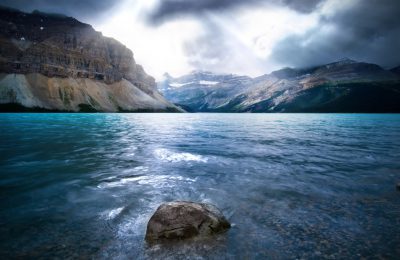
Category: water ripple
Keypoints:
(305, 186)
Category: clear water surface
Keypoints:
(293, 185)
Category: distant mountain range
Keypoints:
(342, 86)
(56, 63)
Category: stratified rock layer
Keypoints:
(56, 62)
(183, 220)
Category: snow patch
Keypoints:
(207, 82)
(178, 85)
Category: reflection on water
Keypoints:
(293, 185)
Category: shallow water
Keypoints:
(292, 185)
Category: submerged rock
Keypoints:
(398, 186)
(183, 219)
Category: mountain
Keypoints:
(396, 70)
(203, 91)
(51, 62)
(342, 86)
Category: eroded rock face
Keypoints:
(59, 47)
(183, 220)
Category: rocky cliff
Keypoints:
(54, 62)
(343, 86)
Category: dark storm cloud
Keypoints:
(172, 8)
(368, 31)
(209, 50)
(215, 50)
(81, 9)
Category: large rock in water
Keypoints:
(54, 62)
(182, 220)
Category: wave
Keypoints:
(156, 181)
(170, 156)
(112, 213)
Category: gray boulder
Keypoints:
(183, 219)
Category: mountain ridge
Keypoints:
(55, 62)
(313, 89)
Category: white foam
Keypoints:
(157, 181)
(170, 156)
(112, 213)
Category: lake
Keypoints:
(292, 185)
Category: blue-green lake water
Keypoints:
(292, 185)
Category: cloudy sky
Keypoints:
(247, 37)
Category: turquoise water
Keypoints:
(292, 185)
